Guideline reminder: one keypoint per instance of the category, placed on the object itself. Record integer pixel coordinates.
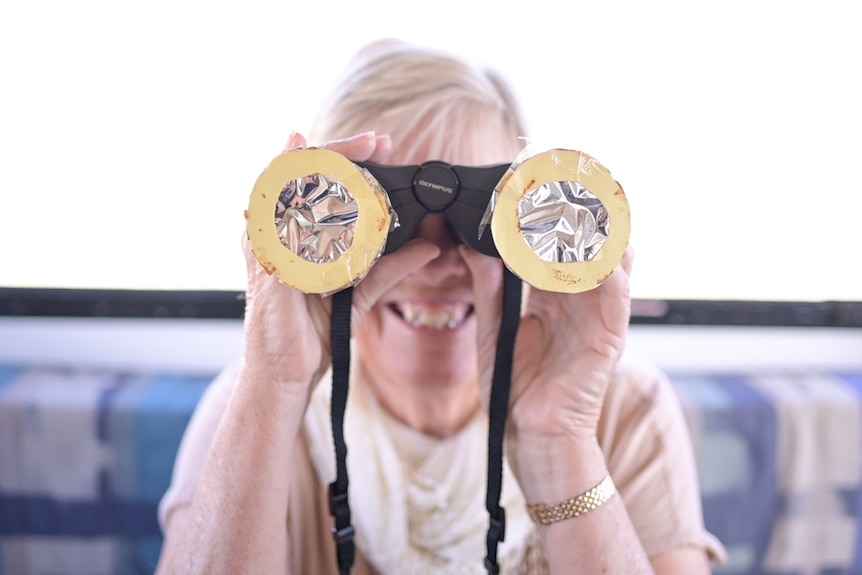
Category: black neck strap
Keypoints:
(498, 411)
(339, 506)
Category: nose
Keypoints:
(449, 264)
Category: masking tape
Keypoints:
(559, 166)
(370, 234)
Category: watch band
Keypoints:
(579, 505)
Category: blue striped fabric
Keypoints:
(780, 462)
(736, 458)
(7, 376)
(854, 382)
(85, 457)
(84, 460)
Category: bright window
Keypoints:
(131, 133)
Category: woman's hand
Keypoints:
(566, 351)
(568, 348)
(287, 332)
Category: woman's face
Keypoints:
(423, 330)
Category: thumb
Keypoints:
(388, 271)
(487, 275)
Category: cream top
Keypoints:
(419, 501)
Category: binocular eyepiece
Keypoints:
(320, 222)
(461, 193)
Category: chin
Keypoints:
(440, 373)
(421, 366)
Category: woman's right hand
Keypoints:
(287, 332)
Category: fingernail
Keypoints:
(419, 241)
(292, 141)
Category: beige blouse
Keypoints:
(642, 433)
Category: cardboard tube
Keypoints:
(559, 166)
(372, 228)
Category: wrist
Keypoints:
(278, 390)
(550, 470)
(562, 411)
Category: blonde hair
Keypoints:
(433, 104)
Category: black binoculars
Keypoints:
(320, 221)
(462, 193)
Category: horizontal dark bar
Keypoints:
(29, 515)
(748, 313)
(121, 303)
(37, 302)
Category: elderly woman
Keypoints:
(249, 487)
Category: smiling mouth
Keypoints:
(437, 317)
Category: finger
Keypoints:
(251, 262)
(617, 303)
(357, 148)
(628, 260)
(388, 271)
(487, 273)
(382, 150)
(295, 141)
(597, 319)
(616, 283)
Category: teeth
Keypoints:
(437, 317)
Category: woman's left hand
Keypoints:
(567, 348)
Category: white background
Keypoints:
(131, 133)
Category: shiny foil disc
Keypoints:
(560, 221)
(317, 220)
(563, 222)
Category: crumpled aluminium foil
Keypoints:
(316, 218)
(563, 222)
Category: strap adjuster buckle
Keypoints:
(343, 535)
(338, 500)
(497, 527)
(491, 566)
